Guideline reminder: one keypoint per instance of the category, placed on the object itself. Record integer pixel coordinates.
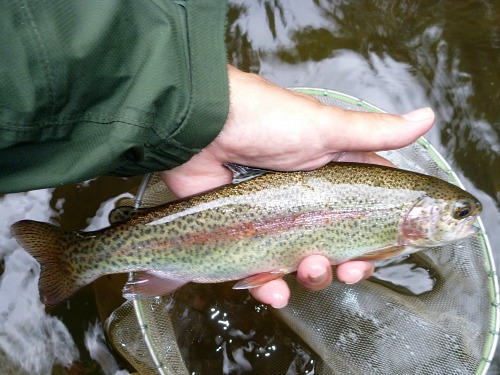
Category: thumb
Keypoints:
(367, 131)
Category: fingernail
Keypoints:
(419, 115)
(356, 274)
(317, 274)
(279, 301)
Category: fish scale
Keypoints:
(261, 227)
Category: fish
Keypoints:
(256, 229)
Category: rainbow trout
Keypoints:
(256, 230)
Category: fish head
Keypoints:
(436, 221)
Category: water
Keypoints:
(226, 331)
(412, 275)
(396, 55)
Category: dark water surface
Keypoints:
(397, 55)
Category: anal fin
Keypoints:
(386, 253)
(146, 285)
(258, 280)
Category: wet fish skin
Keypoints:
(265, 224)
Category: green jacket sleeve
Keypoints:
(119, 87)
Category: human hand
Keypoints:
(275, 128)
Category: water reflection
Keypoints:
(348, 71)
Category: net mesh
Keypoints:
(373, 327)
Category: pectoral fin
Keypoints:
(258, 280)
(146, 285)
(388, 252)
(242, 173)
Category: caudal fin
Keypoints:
(47, 244)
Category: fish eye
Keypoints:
(461, 209)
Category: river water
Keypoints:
(397, 55)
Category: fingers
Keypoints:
(275, 293)
(354, 271)
(314, 273)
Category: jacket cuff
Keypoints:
(208, 97)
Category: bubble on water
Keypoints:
(59, 206)
(95, 342)
(101, 218)
(235, 362)
(30, 340)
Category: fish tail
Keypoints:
(47, 244)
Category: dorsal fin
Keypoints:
(242, 173)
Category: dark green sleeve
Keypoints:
(120, 87)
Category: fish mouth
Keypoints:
(468, 227)
(473, 230)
